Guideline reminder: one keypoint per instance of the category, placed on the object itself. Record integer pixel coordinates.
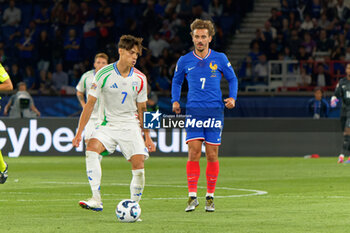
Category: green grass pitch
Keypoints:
(303, 195)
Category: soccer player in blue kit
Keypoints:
(203, 68)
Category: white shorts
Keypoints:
(89, 128)
(127, 136)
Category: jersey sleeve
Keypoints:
(178, 79)
(97, 84)
(3, 74)
(142, 95)
(230, 76)
(81, 84)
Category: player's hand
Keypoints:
(76, 140)
(334, 101)
(176, 107)
(150, 144)
(230, 103)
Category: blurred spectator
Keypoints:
(347, 54)
(302, 54)
(285, 31)
(273, 53)
(42, 18)
(72, 16)
(157, 44)
(12, 15)
(185, 8)
(323, 22)
(162, 80)
(294, 42)
(324, 44)
(59, 78)
(150, 21)
(44, 46)
(29, 78)
(152, 102)
(215, 8)
(316, 9)
(280, 42)
(254, 51)
(309, 44)
(275, 20)
(159, 8)
(307, 25)
(261, 69)
(26, 47)
(292, 20)
(105, 24)
(21, 104)
(269, 31)
(320, 78)
(246, 72)
(318, 106)
(58, 15)
(341, 11)
(304, 79)
(199, 13)
(58, 47)
(15, 75)
(71, 47)
(89, 42)
(45, 83)
(337, 53)
(261, 40)
(301, 10)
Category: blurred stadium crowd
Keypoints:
(49, 44)
(316, 33)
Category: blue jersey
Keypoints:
(203, 76)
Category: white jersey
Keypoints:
(119, 94)
(84, 86)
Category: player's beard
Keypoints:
(200, 49)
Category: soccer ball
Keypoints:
(128, 211)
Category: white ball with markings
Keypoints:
(128, 211)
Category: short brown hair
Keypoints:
(127, 42)
(203, 24)
(101, 55)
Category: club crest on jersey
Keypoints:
(93, 86)
(213, 68)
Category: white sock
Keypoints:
(94, 173)
(137, 184)
(192, 194)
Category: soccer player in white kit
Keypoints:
(124, 92)
(83, 88)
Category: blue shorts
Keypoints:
(210, 132)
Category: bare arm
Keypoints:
(7, 107)
(141, 108)
(6, 85)
(84, 118)
(80, 96)
(34, 109)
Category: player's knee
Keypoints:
(194, 154)
(212, 156)
(137, 162)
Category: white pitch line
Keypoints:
(254, 192)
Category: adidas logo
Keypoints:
(114, 85)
